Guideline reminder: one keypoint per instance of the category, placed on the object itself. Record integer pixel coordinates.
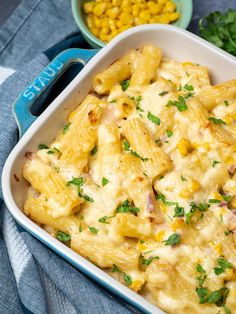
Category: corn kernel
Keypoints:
(124, 28)
(145, 15)
(232, 203)
(136, 285)
(155, 9)
(99, 9)
(163, 207)
(160, 236)
(116, 3)
(173, 16)
(163, 19)
(112, 25)
(218, 248)
(228, 119)
(126, 18)
(119, 24)
(194, 186)
(103, 36)
(184, 147)
(185, 193)
(187, 63)
(88, 7)
(90, 21)
(113, 12)
(104, 23)
(104, 31)
(170, 7)
(135, 10)
(138, 21)
(94, 31)
(217, 196)
(229, 160)
(97, 22)
(142, 246)
(177, 224)
(162, 2)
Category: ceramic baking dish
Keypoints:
(175, 43)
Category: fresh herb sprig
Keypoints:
(219, 29)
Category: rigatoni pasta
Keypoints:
(142, 182)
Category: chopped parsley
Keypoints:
(66, 128)
(53, 151)
(179, 211)
(125, 84)
(223, 266)
(79, 183)
(227, 198)
(188, 87)
(216, 121)
(188, 95)
(43, 146)
(169, 133)
(93, 230)
(94, 150)
(62, 236)
(153, 118)
(183, 178)
(163, 93)
(214, 201)
(104, 219)
(105, 181)
(215, 162)
(226, 103)
(227, 232)
(173, 239)
(137, 101)
(127, 278)
(202, 207)
(180, 104)
(217, 297)
(202, 277)
(126, 146)
(147, 261)
(126, 207)
(162, 198)
(113, 101)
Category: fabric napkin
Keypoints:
(33, 279)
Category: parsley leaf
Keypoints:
(153, 118)
(173, 239)
(115, 269)
(179, 211)
(125, 84)
(215, 162)
(226, 103)
(214, 201)
(147, 261)
(200, 269)
(105, 181)
(94, 150)
(77, 181)
(224, 264)
(202, 294)
(183, 178)
(93, 230)
(62, 236)
(188, 87)
(104, 219)
(216, 121)
(219, 29)
(169, 133)
(126, 207)
(43, 146)
(227, 198)
(127, 279)
(66, 128)
(163, 93)
(180, 104)
(113, 101)
(126, 146)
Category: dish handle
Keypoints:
(23, 103)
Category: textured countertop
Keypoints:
(201, 8)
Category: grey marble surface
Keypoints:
(201, 8)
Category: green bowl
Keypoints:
(184, 7)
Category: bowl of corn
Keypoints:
(101, 20)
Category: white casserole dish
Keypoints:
(176, 44)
